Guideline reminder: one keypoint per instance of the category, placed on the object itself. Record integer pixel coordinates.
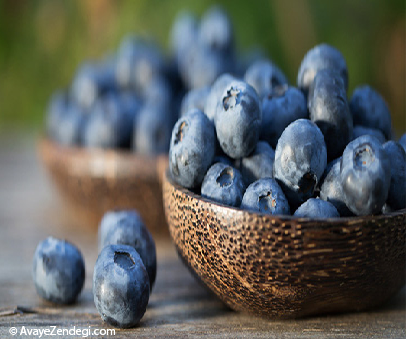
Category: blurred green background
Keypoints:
(43, 42)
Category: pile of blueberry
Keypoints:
(258, 143)
(123, 276)
(131, 99)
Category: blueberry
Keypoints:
(120, 286)
(130, 103)
(195, 98)
(369, 109)
(224, 159)
(159, 91)
(71, 125)
(108, 126)
(216, 30)
(259, 164)
(316, 208)
(320, 57)
(402, 141)
(223, 184)
(362, 130)
(397, 189)
(201, 66)
(264, 75)
(184, 33)
(329, 109)
(331, 189)
(365, 175)
(192, 148)
(238, 120)
(139, 61)
(300, 160)
(280, 107)
(152, 130)
(128, 228)
(265, 196)
(58, 271)
(92, 81)
(215, 94)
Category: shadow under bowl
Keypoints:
(285, 267)
(95, 181)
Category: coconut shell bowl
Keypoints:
(284, 267)
(95, 181)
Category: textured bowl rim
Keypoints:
(225, 208)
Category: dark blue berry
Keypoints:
(365, 175)
(258, 164)
(300, 160)
(108, 125)
(316, 208)
(223, 184)
(320, 57)
(264, 76)
(127, 228)
(71, 126)
(192, 148)
(238, 120)
(362, 130)
(331, 189)
(58, 271)
(281, 107)
(195, 98)
(265, 196)
(120, 286)
(152, 129)
(215, 95)
(329, 110)
(369, 109)
(397, 190)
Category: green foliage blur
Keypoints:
(42, 42)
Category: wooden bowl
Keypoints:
(95, 181)
(282, 267)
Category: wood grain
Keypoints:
(179, 306)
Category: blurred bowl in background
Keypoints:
(95, 181)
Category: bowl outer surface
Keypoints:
(96, 181)
(285, 267)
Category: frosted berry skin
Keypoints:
(369, 109)
(280, 107)
(331, 189)
(397, 189)
(265, 196)
(329, 110)
(402, 141)
(126, 227)
(215, 94)
(258, 164)
(263, 75)
(365, 175)
(195, 98)
(316, 209)
(300, 160)
(238, 120)
(120, 286)
(192, 148)
(223, 184)
(58, 271)
(321, 57)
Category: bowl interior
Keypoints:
(284, 266)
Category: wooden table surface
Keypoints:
(179, 306)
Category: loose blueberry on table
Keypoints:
(120, 286)
(58, 271)
(126, 227)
